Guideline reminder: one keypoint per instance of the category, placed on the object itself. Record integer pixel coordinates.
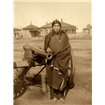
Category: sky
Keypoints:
(74, 13)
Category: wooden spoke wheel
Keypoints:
(20, 87)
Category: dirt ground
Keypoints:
(81, 94)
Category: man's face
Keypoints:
(56, 27)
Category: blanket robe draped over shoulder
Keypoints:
(57, 69)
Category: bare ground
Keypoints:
(80, 95)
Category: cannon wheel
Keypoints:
(20, 85)
(20, 88)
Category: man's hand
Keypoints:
(49, 50)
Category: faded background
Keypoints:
(75, 13)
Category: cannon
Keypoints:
(22, 82)
(38, 58)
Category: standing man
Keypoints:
(57, 42)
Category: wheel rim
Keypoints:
(20, 88)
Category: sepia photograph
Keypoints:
(52, 53)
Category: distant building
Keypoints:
(88, 29)
(17, 32)
(31, 31)
(68, 28)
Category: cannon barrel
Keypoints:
(38, 51)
